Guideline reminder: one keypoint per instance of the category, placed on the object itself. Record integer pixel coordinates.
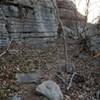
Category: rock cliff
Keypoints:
(35, 22)
(28, 21)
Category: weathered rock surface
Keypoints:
(28, 22)
(69, 68)
(35, 23)
(67, 97)
(34, 97)
(16, 97)
(93, 43)
(51, 90)
(28, 77)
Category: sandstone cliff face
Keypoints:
(29, 22)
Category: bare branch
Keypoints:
(71, 80)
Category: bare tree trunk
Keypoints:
(63, 31)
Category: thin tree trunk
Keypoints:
(63, 31)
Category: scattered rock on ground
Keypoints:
(93, 43)
(51, 90)
(81, 97)
(69, 68)
(34, 97)
(67, 97)
(83, 56)
(16, 97)
(28, 77)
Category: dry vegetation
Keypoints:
(47, 61)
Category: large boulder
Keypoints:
(51, 90)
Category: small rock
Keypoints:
(51, 90)
(83, 56)
(81, 97)
(28, 77)
(67, 97)
(70, 68)
(33, 97)
(16, 97)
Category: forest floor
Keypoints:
(48, 62)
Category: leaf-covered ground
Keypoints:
(48, 61)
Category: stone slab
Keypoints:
(28, 78)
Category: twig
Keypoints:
(71, 80)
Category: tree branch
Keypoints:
(71, 81)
